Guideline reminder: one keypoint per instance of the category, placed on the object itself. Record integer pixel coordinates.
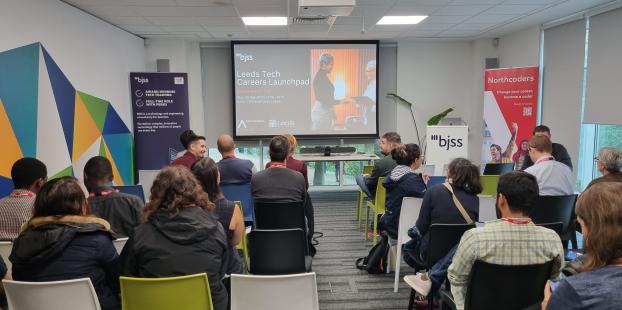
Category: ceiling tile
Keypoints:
(239, 28)
(484, 18)
(423, 2)
(513, 9)
(462, 9)
(182, 11)
(349, 20)
(542, 2)
(345, 28)
(267, 28)
(220, 21)
(474, 26)
(150, 2)
(262, 10)
(375, 2)
(445, 19)
(109, 10)
(413, 10)
(263, 2)
(172, 21)
(126, 20)
(458, 33)
(142, 29)
(188, 28)
(475, 2)
(390, 28)
(432, 26)
(309, 28)
(225, 35)
(419, 34)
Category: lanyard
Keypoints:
(543, 159)
(277, 165)
(104, 193)
(22, 194)
(514, 221)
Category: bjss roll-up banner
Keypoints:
(160, 115)
(510, 108)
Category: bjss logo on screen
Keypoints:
(448, 142)
(244, 57)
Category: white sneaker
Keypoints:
(419, 282)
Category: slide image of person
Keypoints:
(323, 114)
(497, 156)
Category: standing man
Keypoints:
(382, 167)
(558, 152)
(28, 175)
(233, 170)
(195, 148)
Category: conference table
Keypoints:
(340, 158)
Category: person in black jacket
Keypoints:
(438, 207)
(181, 235)
(402, 182)
(121, 210)
(62, 242)
(559, 151)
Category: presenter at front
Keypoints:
(322, 114)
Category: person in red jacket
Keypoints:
(195, 149)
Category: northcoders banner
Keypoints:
(160, 115)
(510, 107)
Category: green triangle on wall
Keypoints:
(67, 172)
(96, 107)
(102, 148)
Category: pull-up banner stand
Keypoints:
(443, 144)
(510, 112)
(160, 115)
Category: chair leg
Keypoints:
(573, 240)
(358, 209)
(411, 300)
(366, 223)
(398, 260)
(375, 229)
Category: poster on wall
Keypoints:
(160, 114)
(510, 113)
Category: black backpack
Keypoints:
(376, 261)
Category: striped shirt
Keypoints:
(503, 243)
(15, 210)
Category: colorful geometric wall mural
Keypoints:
(42, 115)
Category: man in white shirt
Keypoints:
(554, 178)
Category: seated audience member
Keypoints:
(519, 157)
(181, 235)
(402, 182)
(609, 164)
(382, 167)
(28, 175)
(63, 241)
(195, 149)
(229, 215)
(233, 170)
(291, 162)
(599, 212)
(438, 207)
(277, 183)
(558, 151)
(122, 211)
(497, 156)
(511, 240)
(554, 178)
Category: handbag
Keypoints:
(466, 216)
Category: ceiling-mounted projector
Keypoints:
(324, 8)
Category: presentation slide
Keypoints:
(305, 88)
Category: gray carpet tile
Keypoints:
(340, 284)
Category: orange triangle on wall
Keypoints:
(85, 131)
(11, 151)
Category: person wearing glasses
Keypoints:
(554, 178)
(609, 163)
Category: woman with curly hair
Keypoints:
(180, 236)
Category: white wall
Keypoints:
(183, 56)
(95, 56)
(520, 49)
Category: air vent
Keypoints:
(313, 20)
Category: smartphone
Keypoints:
(554, 285)
(571, 255)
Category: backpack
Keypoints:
(376, 261)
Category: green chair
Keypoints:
(243, 245)
(186, 292)
(489, 184)
(366, 170)
(378, 206)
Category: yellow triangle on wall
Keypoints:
(11, 151)
(116, 176)
(85, 131)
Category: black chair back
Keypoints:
(551, 209)
(494, 286)
(557, 227)
(279, 251)
(443, 237)
(498, 169)
(280, 215)
(136, 190)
